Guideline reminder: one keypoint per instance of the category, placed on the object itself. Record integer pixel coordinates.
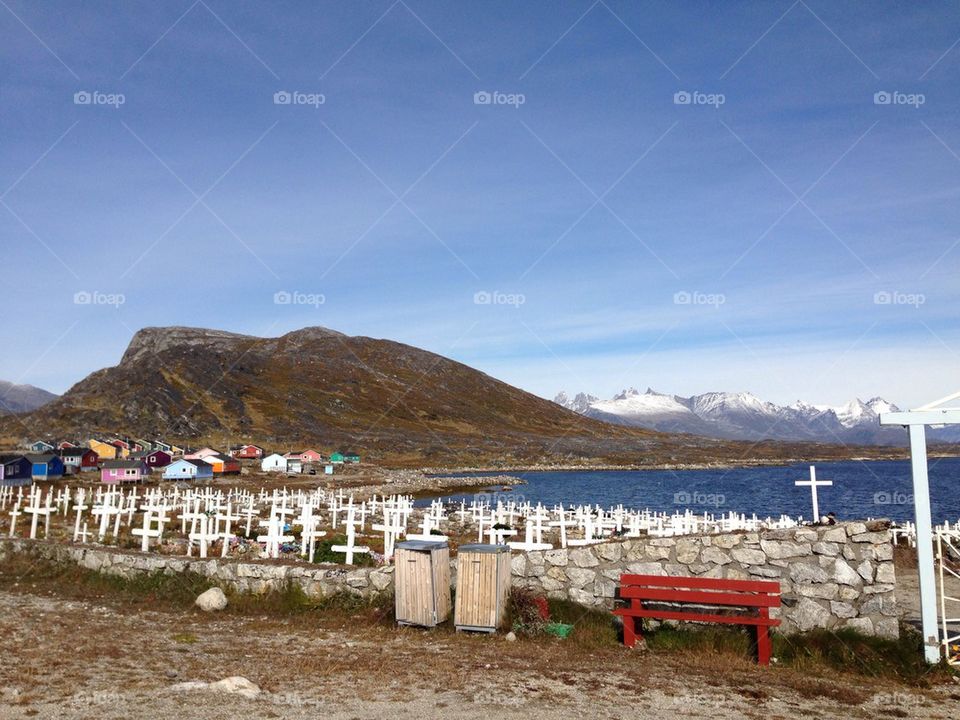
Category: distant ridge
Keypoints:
(743, 416)
(22, 398)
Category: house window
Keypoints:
(130, 472)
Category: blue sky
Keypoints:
(785, 232)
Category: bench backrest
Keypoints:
(705, 591)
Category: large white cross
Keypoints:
(916, 421)
(813, 484)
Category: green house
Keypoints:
(351, 457)
(336, 457)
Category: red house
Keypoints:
(79, 459)
(247, 452)
(153, 460)
(307, 456)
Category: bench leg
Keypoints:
(630, 631)
(763, 645)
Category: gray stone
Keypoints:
(510, 636)
(824, 591)
(888, 628)
(826, 548)
(714, 555)
(886, 573)
(749, 556)
(518, 565)
(855, 528)
(611, 552)
(211, 600)
(806, 535)
(560, 558)
(581, 577)
(862, 625)
(883, 553)
(865, 570)
(687, 551)
(806, 573)
(583, 557)
(835, 535)
(872, 537)
(809, 614)
(844, 574)
(842, 609)
(646, 568)
(658, 552)
(726, 541)
(781, 549)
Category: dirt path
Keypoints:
(94, 658)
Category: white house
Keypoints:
(274, 463)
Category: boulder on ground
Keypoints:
(212, 599)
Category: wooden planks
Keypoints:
(422, 583)
(483, 585)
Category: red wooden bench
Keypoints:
(697, 599)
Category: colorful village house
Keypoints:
(105, 450)
(176, 450)
(123, 447)
(141, 446)
(188, 470)
(123, 471)
(15, 470)
(153, 459)
(336, 458)
(310, 456)
(161, 445)
(46, 467)
(79, 459)
(66, 444)
(223, 464)
(351, 457)
(294, 465)
(247, 452)
(274, 463)
(39, 447)
(200, 454)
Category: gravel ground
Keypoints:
(66, 658)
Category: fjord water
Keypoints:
(861, 489)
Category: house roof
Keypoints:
(75, 451)
(4, 459)
(45, 457)
(118, 464)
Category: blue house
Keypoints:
(15, 470)
(188, 470)
(46, 467)
(40, 446)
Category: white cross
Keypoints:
(14, 514)
(350, 548)
(274, 537)
(79, 508)
(813, 484)
(528, 543)
(146, 532)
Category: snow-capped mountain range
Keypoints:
(743, 416)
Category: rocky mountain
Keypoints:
(743, 416)
(22, 398)
(393, 402)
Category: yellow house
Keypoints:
(106, 451)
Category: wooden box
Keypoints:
(483, 586)
(422, 582)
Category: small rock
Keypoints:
(212, 599)
(172, 674)
(510, 636)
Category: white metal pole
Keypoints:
(928, 581)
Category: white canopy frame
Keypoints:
(916, 422)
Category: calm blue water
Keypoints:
(860, 489)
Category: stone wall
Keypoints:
(830, 577)
(315, 580)
(839, 576)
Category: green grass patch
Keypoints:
(323, 553)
